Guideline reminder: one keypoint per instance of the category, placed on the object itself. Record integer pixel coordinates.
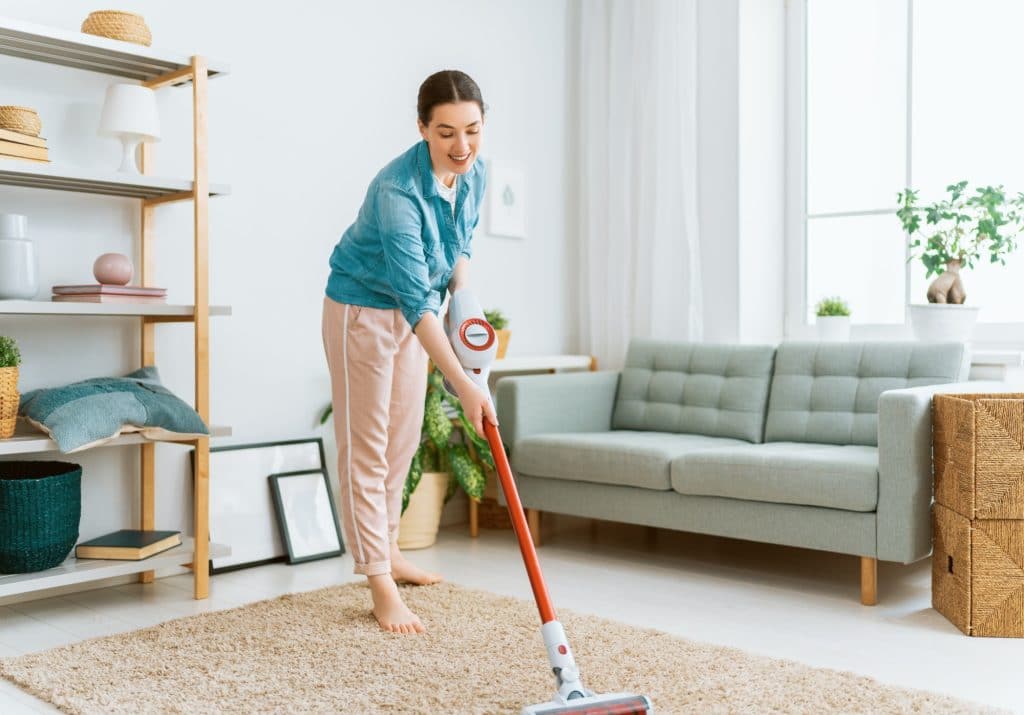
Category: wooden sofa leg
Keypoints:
(868, 581)
(533, 521)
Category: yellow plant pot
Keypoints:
(418, 526)
(503, 335)
(9, 399)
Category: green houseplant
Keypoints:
(832, 307)
(832, 319)
(10, 358)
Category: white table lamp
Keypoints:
(129, 113)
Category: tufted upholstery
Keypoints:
(712, 390)
(828, 392)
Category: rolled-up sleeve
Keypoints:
(404, 261)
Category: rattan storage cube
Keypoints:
(978, 453)
(978, 573)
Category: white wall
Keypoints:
(318, 99)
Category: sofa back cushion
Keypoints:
(713, 390)
(828, 392)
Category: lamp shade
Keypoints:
(130, 109)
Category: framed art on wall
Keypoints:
(506, 191)
(242, 513)
(306, 515)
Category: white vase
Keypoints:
(422, 518)
(943, 322)
(833, 328)
(18, 270)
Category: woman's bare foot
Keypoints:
(389, 609)
(404, 571)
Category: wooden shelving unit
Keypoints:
(155, 69)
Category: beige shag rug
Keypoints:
(322, 651)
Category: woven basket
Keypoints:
(23, 120)
(9, 399)
(979, 455)
(118, 25)
(40, 508)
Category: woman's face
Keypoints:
(453, 136)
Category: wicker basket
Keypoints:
(118, 25)
(978, 573)
(23, 120)
(9, 399)
(40, 508)
(978, 448)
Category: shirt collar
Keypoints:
(426, 172)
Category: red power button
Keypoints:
(562, 649)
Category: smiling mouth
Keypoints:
(459, 159)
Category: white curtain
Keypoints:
(636, 161)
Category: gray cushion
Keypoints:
(828, 392)
(713, 390)
(839, 477)
(638, 459)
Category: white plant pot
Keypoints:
(833, 328)
(422, 518)
(943, 322)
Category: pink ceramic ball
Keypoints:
(113, 269)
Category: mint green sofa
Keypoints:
(818, 445)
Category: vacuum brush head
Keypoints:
(612, 704)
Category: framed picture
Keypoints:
(241, 503)
(306, 515)
(506, 190)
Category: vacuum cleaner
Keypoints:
(474, 342)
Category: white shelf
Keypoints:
(89, 181)
(88, 52)
(74, 570)
(27, 440)
(532, 363)
(164, 310)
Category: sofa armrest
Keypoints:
(905, 482)
(563, 402)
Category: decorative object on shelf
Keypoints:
(832, 318)
(958, 232)
(23, 147)
(18, 269)
(499, 322)
(130, 114)
(118, 25)
(106, 293)
(306, 515)
(978, 514)
(113, 269)
(23, 120)
(10, 358)
(128, 545)
(241, 500)
(506, 206)
(86, 414)
(40, 509)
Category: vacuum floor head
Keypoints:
(613, 704)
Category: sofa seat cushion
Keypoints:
(834, 476)
(622, 457)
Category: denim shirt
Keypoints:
(402, 248)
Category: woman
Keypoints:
(409, 244)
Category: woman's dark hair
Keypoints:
(444, 87)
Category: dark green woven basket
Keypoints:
(40, 507)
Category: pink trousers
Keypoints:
(378, 383)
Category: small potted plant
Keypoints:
(951, 234)
(10, 358)
(499, 322)
(833, 319)
(451, 456)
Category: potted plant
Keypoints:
(10, 358)
(833, 319)
(951, 234)
(499, 322)
(451, 455)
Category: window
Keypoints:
(899, 93)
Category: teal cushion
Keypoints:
(88, 413)
(635, 459)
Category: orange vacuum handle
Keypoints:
(515, 510)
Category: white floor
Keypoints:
(776, 601)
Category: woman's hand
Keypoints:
(476, 404)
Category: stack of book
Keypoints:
(128, 545)
(106, 293)
(14, 145)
